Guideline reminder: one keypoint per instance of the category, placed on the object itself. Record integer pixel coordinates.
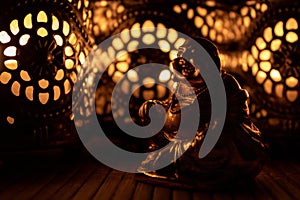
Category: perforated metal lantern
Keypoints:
(270, 68)
(42, 47)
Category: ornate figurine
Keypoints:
(240, 151)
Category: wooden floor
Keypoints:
(52, 176)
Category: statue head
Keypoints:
(184, 64)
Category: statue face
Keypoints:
(183, 69)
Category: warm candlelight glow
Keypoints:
(275, 75)
(42, 17)
(43, 97)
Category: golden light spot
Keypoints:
(212, 34)
(198, 21)
(247, 21)
(5, 77)
(69, 51)
(209, 20)
(148, 26)
(43, 83)
(254, 51)
(4, 37)
(69, 63)
(268, 86)
(172, 35)
(268, 34)
(211, 3)
(73, 77)
(244, 11)
(291, 24)
(67, 86)
(135, 30)
(260, 43)
(42, 32)
(125, 35)
(43, 97)
(56, 90)
(122, 66)
(42, 17)
(164, 46)
(10, 51)
(73, 39)
(161, 31)
(264, 7)
(55, 23)
(165, 75)
(173, 54)
(11, 64)
(250, 60)
(204, 30)
(15, 88)
(275, 75)
(24, 39)
(59, 75)
(278, 30)
(117, 76)
(29, 92)
(132, 75)
(24, 75)
(111, 69)
(81, 57)
(279, 90)
(275, 45)
(179, 43)
(253, 13)
(260, 77)
(66, 28)
(291, 82)
(219, 25)
(177, 9)
(292, 95)
(132, 45)
(28, 21)
(148, 82)
(117, 44)
(190, 13)
(201, 11)
(291, 37)
(14, 27)
(265, 55)
(58, 40)
(148, 39)
(184, 6)
(111, 52)
(265, 66)
(120, 9)
(10, 120)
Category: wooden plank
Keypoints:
(31, 188)
(126, 187)
(289, 172)
(275, 190)
(73, 185)
(59, 181)
(222, 196)
(91, 185)
(281, 179)
(259, 191)
(181, 195)
(111, 183)
(201, 196)
(160, 193)
(143, 191)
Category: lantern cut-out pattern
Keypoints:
(42, 48)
